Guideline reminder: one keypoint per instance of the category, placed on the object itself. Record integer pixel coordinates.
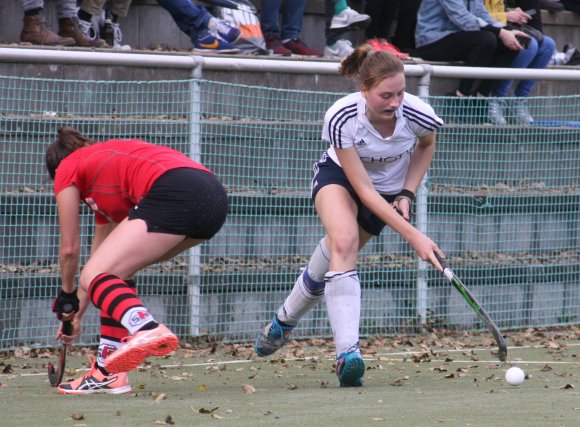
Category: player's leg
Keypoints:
(183, 202)
(342, 289)
(136, 247)
(98, 379)
(306, 293)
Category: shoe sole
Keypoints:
(131, 356)
(352, 373)
(119, 390)
(258, 352)
(354, 26)
(217, 50)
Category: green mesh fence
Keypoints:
(501, 201)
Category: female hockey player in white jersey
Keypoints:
(382, 141)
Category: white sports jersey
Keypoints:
(385, 159)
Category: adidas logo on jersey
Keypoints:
(361, 142)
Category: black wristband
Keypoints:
(406, 193)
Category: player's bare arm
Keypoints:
(358, 177)
(68, 216)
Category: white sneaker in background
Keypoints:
(341, 49)
(350, 19)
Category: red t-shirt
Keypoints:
(113, 176)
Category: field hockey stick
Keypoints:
(476, 306)
(55, 375)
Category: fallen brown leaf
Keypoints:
(248, 389)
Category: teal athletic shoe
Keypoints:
(350, 369)
(272, 338)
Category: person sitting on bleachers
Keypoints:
(207, 33)
(537, 54)
(463, 30)
(111, 29)
(36, 31)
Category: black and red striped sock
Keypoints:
(119, 301)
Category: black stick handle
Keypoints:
(67, 324)
(441, 261)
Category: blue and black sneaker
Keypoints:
(210, 41)
(272, 338)
(350, 368)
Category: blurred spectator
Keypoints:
(531, 7)
(111, 30)
(384, 14)
(551, 6)
(285, 40)
(36, 31)
(571, 5)
(340, 19)
(537, 54)
(207, 33)
(463, 30)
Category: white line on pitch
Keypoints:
(366, 358)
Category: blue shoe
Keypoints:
(272, 338)
(225, 30)
(350, 369)
(210, 41)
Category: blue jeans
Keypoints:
(64, 8)
(535, 56)
(190, 18)
(291, 18)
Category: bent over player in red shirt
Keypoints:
(150, 203)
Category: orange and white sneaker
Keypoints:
(154, 342)
(95, 382)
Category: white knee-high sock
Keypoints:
(308, 289)
(343, 296)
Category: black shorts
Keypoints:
(327, 172)
(184, 201)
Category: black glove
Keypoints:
(65, 303)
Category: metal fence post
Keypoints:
(194, 253)
(421, 200)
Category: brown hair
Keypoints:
(370, 67)
(68, 141)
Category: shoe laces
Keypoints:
(352, 349)
(44, 27)
(276, 331)
(223, 26)
(86, 28)
(93, 363)
(117, 33)
(296, 42)
(343, 43)
(349, 11)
